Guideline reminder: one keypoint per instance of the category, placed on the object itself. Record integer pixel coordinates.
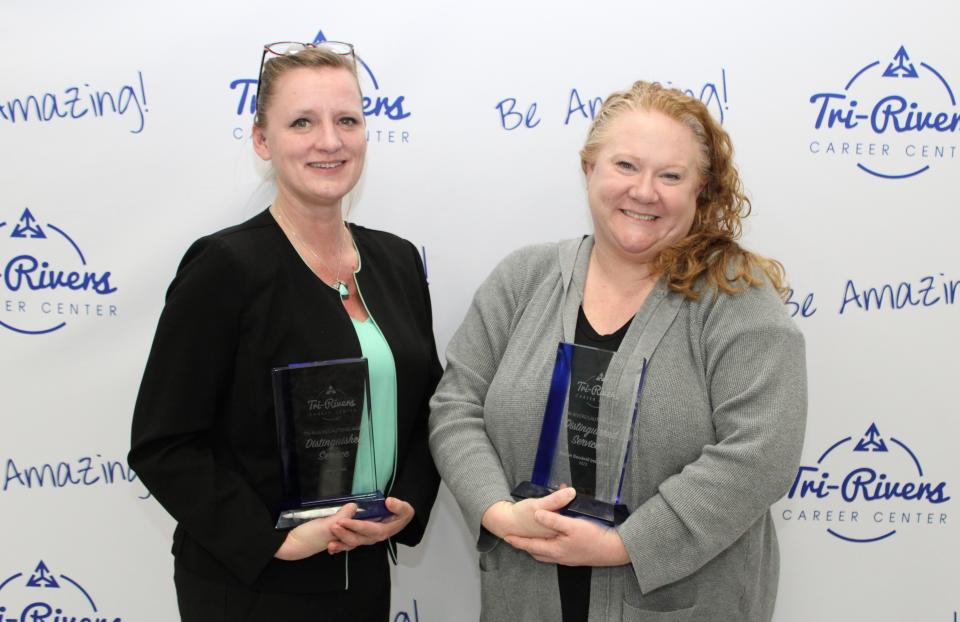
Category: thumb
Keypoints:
(558, 499)
(398, 506)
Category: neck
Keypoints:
(321, 227)
(615, 289)
(618, 273)
(326, 251)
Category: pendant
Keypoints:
(342, 288)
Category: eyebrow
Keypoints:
(338, 112)
(622, 155)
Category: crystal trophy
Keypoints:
(580, 444)
(325, 436)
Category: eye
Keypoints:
(349, 121)
(300, 123)
(624, 165)
(672, 176)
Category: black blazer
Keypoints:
(204, 438)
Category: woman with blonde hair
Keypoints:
(664, 284)
(294, 284)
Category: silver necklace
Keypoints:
(337, 284)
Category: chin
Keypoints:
(636, 247)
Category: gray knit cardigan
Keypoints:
(717, 440)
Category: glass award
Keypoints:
(580, 444)
(325, 436)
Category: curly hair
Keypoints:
(710, 250)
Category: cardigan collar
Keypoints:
(622, 388)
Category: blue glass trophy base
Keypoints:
(370, 506)
(581, 506)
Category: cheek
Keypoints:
(360, 143)
(685, 202)
(595, 201)
(604, 192)
(285, 148)
(689, 215)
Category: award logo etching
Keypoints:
(332, 406)
(588, 390)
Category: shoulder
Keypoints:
(220, 258)
(756, 307)
(237, 240)
(530, 264)
(382, 243)
(245, 238)
(516, 278)
(387, 251)
(378, 238)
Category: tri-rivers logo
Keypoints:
(378, 103)
(332, 405)
(589, 389)
(894, 118)
(46, 596)
(46, 279)
(866, 490)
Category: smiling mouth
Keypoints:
(327, 165)
(638, 216)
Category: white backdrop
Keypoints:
(125, 133)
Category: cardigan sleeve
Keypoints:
(417, 478)
(466, 458)
(755, 373)
(173, 445)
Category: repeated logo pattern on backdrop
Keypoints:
(46, 596)
(47, 280)
(867, 490)
(874, 117)
(80, 102)
(516, 114)
(892, 119)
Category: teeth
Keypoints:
(325, 164)
(637, 216)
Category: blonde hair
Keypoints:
(710, 250)
(276, 66)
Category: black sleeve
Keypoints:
(417, 478)
(185, 385)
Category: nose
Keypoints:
(643, 189)
(327, 138)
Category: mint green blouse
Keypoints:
(383, 395)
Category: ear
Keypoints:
(260, 143)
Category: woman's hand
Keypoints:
(313, 536)
(517, 519)
(350, 533)
(577, 542)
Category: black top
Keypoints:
(574, 581)
(204, 435)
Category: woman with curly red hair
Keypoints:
(664, 284)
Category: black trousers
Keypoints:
(207, 600)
